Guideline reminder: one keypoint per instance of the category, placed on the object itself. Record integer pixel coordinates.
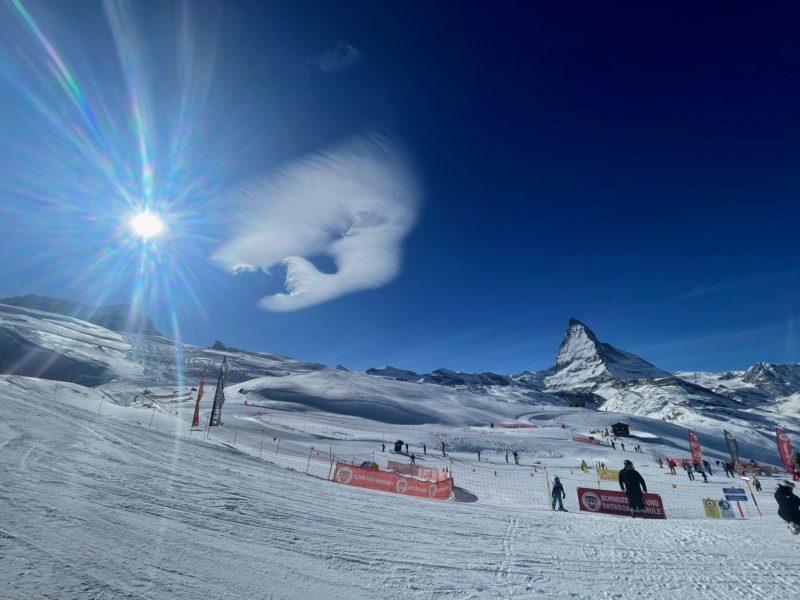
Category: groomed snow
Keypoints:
(99, 502)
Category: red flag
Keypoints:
(694, 446)
(785, 448)
(196, 417)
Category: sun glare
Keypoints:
(147, 224)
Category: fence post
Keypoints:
(330, 471)
(151, 416)
(308, 464)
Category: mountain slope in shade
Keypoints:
(116, 317)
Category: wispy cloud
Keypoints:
(342, 56)
(353, 203)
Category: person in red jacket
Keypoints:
(632, 483)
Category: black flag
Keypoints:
(219, 395)
(733, 447)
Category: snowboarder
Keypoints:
(558, 495)
(756, 483)
(788, 505)
(707, 467)
(688, 470)
(705, 477)
(632, 483)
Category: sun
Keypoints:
(147, 224)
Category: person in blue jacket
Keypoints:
(558, 494)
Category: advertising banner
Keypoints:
(785, 448)
(516, 425)
(711, 508)
(733, 447)
(588, 440)
(608, 474)
(429, 473)
(389, 481)
(616, 503)
(694, 446)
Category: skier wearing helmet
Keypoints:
(558, 494)
(788, 505)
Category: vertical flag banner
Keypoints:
(219, 395)
(733, 447)
(694, 446)
(785, 448)
(196, 417)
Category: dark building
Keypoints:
(620, 429)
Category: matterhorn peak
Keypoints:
(582, 359)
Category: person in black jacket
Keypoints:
(788, 504)
(632, 483)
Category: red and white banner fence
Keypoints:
(616, 503)
(391, 481)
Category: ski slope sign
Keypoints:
(616, 503)
(735, 494)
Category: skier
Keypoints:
(660, 463)
(756, 483)
(632, 483)
(558, 495)
(424, 449)
(623, 446)
(506, 456)
(383, 447)
(788, 505)
(406, 448)
(443, 452)
(479, 456)
(516, 457)
(413, 459)
(707, 467)
(688, 470)
(613, 445)
(671, 465)
(705, 477)
(584, 466)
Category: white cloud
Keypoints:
(354, 203)
(342, 56)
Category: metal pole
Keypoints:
(747, 481)
(151, 416)
(308, 464)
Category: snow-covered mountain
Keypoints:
(587, 372)
(116, 317)
(591, 373)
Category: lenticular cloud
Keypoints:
(354, 203)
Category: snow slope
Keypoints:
(96, 504)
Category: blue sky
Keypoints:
(632, 166)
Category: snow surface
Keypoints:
(104, 500)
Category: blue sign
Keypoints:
(735, 494)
